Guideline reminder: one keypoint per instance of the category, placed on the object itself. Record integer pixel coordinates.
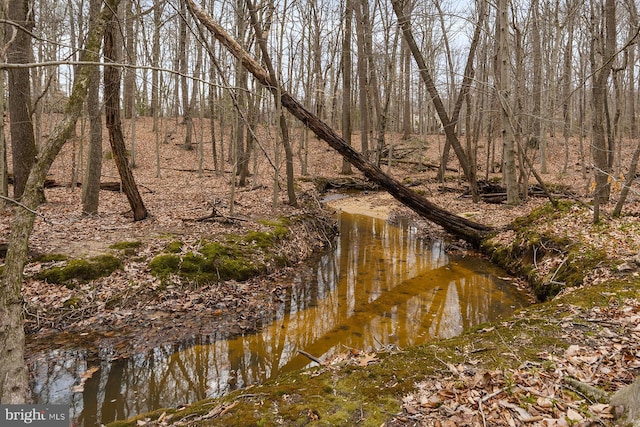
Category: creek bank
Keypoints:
(169, 287)
(539, 366)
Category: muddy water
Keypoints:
(379, 286)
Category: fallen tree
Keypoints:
(468, 230)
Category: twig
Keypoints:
(215, 214)
(492, 395)
(600, 359)
(15, 202)
(311, 356)
(484, 420)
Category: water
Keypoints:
(379, 286)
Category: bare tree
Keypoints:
(448, 124)
(503, 73)
(13, 371)
(469, 230)
(4, 169)
(601, 66)
(91, 183)
(114, 124)
(282, 120)
(23, 144)
(346, 80)
(183, 60)
(130, 41)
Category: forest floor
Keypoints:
(115, 309)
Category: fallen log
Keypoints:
(464, 228)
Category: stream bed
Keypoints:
(380, 285)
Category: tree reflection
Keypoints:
(380, 285)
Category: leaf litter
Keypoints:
(131, 310)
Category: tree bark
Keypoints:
(601, 152)
(114, 124)
(13, 371)
(503, 72)
(91, 184)
(128, 100)
(4, 168)
(346, 81)
(282, 120)
(183, 44)
(447, 123)
(23, 144)
(470, 231)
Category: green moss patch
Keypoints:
(174, 247)
(235, 257)
(549, 259)
(80, 270)
(51, 258)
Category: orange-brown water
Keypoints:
(379, 286)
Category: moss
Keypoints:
(71, 302)
(260, 239)
(533, 245)
(213, 262)
(164, 264)
(174, 247)
(81, 270)
(349, 394)
(237, 257)
(51, 258)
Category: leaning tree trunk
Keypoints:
(447, 123)
(114, 124)
(471, 231)
(13, 371)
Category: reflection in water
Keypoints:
(380, 285)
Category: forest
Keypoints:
(142, 139)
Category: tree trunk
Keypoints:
(183, 43)
(567, 67)
(346, 81)
(469, 230)
(447, 123)
(91, 184)
(363, 86)
(536, 131)
(155, 63)
(405, 59)
(504, 95)
(129, 83)
(284, 128)
(4, 168)
(114, 124)
(23, 144)
(13, 371)
(600, 152)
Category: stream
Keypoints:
(380, 285)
